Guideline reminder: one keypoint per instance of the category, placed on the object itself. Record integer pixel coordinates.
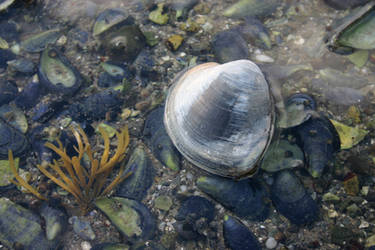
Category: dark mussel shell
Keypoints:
(30, 95)
(57, 74)
(345, 4)
(229, 45)
(96, 106)
(291, 199)
(319, 140)
(193, 217)
(246, 198)
(11, 138)
(158, 140)
(107, 19)
(8, 91)
(237, 236)
(137, 184)
(5, 56)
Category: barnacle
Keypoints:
(85, 183)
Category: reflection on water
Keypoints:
(110, 63)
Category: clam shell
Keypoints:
(221, 117)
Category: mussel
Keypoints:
(354, 31)
(221, 117)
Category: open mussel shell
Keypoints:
(107, 19)
(355, 31)
(57, 74)
(221, 117)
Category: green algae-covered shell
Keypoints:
(354, 31)
(57, 74)
(21, 227)
(38, 42)
(130, 217)
(107, 19)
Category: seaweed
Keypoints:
(85, 183)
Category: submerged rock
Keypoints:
(246, 198)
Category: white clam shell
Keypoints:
(221, 117)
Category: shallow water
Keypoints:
(298, 62)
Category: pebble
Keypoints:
(85, 245)
(332, 213)
(183, 188)
(264, 58)
(364, 224)
(271, 243)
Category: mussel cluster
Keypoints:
(57, 96)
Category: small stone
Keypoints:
(158, 15)
(3, 44)
(370, 241)
(62, 40)
(151, 38)
(351, 184)
(183, 188)
(353, 210)
(82, 228)
(329, 197)
(364, 224)
(174, 42)
(85, 245)
(163, 202)
(340, 234)
(299, 41)
(271, 243)
(264, 58)
(190, 26)
(202, 8)
(354, 114)
(332, 213)
(142, 105)
(365, 190)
